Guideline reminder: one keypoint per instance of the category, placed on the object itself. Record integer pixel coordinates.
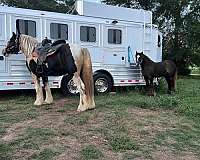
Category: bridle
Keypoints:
(139, 61)
(17, 43)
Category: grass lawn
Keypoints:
(127, 125)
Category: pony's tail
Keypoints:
(87, 77)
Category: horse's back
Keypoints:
(75, 49)
(170, 66)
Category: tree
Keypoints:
(62, 6)
(179, 22)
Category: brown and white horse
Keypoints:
(83, 76)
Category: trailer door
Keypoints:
(115, 51)
(2, 44)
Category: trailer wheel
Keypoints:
(102, 83)
(68, 87)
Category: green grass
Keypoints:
(5, 151)
(45, 154)
(126, 125)
(78, 119)
(91, 152)
(122, 143)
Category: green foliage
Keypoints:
(45, 154)
(5, 151)
(46, 5)
(91, 152)
(179, 20)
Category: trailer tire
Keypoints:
(102, 83)
(68, 87)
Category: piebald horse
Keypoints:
(78, 64)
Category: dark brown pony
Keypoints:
(151, 70)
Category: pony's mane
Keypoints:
(27, 44)
(147, 58)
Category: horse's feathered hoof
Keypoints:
(81, 110)
(47, 103)
(38, 103)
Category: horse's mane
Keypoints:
(147, 58)
(27, 44)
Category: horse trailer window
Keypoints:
(26, 27)
(114, 36)
(87, 34)
(59, 31)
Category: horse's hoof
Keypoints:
(152, 94)
(38, 103)
(169, 92)
(81, 109)
(91, 107)
(47, 103)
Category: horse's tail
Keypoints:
(87, 77)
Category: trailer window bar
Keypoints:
(27, 27)
(59, 31)
(114, 36)
(87, 34)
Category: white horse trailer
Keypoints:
(112, 35)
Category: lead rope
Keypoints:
(130, 55)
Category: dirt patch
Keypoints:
(165, 153)
(72, 149)
(74, 130)
(49, 118)
(16, 129)
(63, 101)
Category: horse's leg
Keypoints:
(169, 84)
(81, 88)
(173, 82)
(49, 98)
(152, 91)
(147, 85)
(39, 94)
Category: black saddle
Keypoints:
(44, 49)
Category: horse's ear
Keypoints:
(13, 34)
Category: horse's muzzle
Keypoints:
(139, 62)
